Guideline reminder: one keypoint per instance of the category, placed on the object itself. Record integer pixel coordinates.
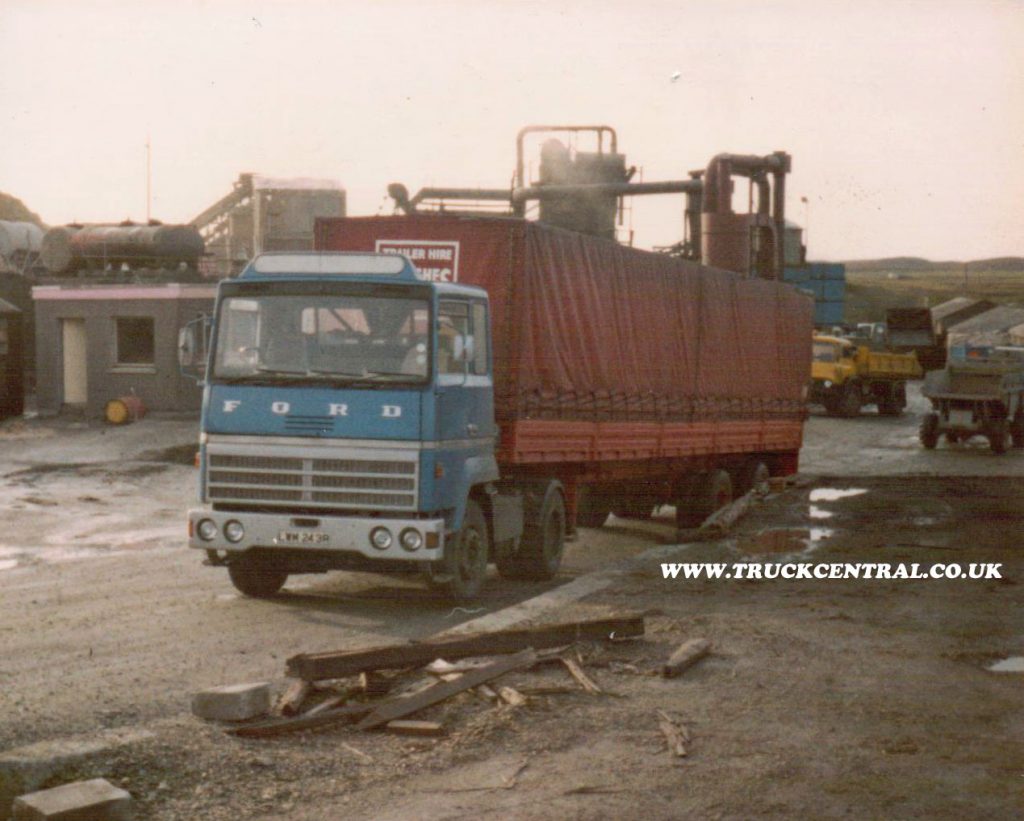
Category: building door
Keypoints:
(75, 361)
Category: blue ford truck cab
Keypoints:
(348, 422)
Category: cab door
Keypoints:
(465, 388)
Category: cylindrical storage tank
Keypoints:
(56, 251)
(67, 249)
(726, 241)
(19, 238)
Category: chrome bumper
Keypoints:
(330, 533)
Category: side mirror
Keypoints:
(193, 348)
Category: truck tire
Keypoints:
(1017, 431)
(543, 541)
(850, 401)
(754, 476)
(929, 431)
(592, 507)
(464, 567)
(705, 494)
(257, 576)
(997, 435)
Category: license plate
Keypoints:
(302, 537)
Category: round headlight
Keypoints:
(380, 538)
(411, 539)
(828, 383)
(234, 532)
(207, 530)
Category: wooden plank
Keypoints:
(402, 707)
(585, 681)
(342, 663)
(416, 728)
(280, 726)
(688, 654)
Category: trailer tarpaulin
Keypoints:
(586, 329)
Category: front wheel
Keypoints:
(997, 437)
(929, 432)
(466, 556)
(850, 402)
(256, 575)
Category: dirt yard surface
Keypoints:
(821, 698)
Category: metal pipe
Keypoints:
(617, 189)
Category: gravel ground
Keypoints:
(859, 698)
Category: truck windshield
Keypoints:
(824, 352)
(322, 337)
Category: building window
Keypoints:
(135, 341)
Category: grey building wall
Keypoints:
(161, 385)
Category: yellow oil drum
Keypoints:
(125, 409)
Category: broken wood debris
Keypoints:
(339, 664)
(511, 696)
(688, 654)
(582, 678)
(415, 728)
(400, 707)
(345, 714)
(676, 737)
(289, 703)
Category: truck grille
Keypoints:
(340, 478)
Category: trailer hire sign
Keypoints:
(436, 260)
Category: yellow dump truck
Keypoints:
(846, 376)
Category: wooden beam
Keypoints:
(401, 707)
(688, 654)
(280, 726)
(342, 663)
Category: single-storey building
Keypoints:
(95, 343)
(956, 310)
(12, 361)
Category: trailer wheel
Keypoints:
(592, 507)
(466, 556)
(850, 401)
(256, 575)
(997, 436)
(929, 432)
(1017, 431)
(543, 540)
(754, 476)
(707, 493)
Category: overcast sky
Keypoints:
(905, 119)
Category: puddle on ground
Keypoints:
(831, 494)
(820, 513)
(1013, 664)
(784, 540)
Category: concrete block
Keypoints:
(24, 769)
(233, 702)
(94, 800)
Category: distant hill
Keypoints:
(921, 264)
(13, 209)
